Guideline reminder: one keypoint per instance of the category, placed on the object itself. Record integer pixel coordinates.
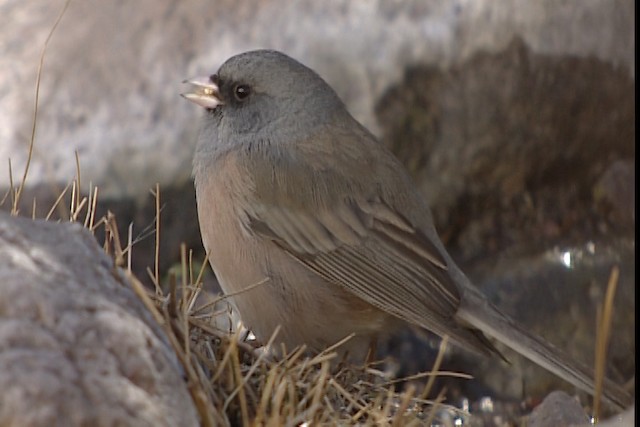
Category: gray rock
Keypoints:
(489, 131)
(615, 193)
(113, 72)
(558, 409)
(556, 294)
(624, 419)
(77, 347)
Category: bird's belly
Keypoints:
(270, 289)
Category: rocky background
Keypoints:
(516, 118)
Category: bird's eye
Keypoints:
(241, 92)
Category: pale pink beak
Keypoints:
(204, 92)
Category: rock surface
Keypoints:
(624, 419)
(77, 347)
(558, 409)
(113, 72)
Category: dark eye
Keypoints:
(241, 92)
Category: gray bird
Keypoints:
(311, 224)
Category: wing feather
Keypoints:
(391, 264)
(310, 200)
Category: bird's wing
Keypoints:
(364, 245)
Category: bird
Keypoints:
(315, 229)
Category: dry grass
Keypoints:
(231, 381)
(603, 332)
(234, 383)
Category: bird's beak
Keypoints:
(203, 92)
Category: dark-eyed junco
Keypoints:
(311, 224)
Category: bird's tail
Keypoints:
(476, 310)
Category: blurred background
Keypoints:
(516, 119)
